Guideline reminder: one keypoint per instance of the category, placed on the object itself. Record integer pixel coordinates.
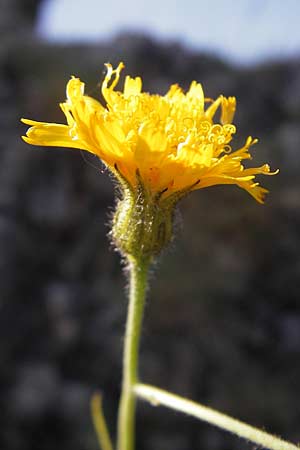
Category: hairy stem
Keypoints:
(126, 419)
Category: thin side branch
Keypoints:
(100, 423)
(158, 397)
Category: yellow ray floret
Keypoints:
(171, 141)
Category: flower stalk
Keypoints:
(126, 418)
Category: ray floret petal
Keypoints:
(173, 140)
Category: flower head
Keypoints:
(158, 147)
(169, 143)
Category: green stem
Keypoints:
(100, 423)
(126, 419)
(158, 396)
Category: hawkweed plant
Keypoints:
(159, 149)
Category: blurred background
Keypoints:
(223, 317)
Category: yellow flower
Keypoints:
(169, 143)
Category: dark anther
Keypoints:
(159, 194)
(163, 191)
